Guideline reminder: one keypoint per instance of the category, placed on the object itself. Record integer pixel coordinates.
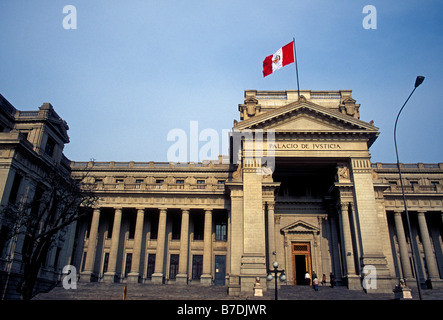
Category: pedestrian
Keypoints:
(323, 280)
(307, 279)
(314, 275)
(332, 280)
(315, 283)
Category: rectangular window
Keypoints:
(197, 266)
(50, 147)
(151, 265)
(200, 184)
(15, 188)
(128, 264)
(105, 263)
(221, 231)
(180, 181)
(159, 181)
(173, 266)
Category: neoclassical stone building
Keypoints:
(298, 188)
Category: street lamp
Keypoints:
(276, 271)
(418, 81)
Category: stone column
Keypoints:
(348, 250)
(182, 276)
(403, 246)
(426, 241)
(92, 246)
(157, 276)
(271, 234)
(133, 276)
(111, 275)
(206, 277)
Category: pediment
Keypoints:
(300, 227)
(305, 116)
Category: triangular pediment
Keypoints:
(300, 227)
(305, 116)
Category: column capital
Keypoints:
(185, 210)
(343, 206)
(208, 210)
(271, 205)
(421, 212)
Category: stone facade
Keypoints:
(31, 145)
(298, 188)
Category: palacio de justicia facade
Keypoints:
(303, 191)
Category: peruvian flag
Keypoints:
(283, 56)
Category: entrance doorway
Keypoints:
(301, 262)
(220, 270)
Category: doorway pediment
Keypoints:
(300, 227)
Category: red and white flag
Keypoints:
(283, 56)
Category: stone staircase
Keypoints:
(114, 291)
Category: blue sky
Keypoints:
(134, 70)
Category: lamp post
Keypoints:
(275, 272)
(418, 81)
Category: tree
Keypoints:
(58, 201)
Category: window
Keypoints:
(128, 264)
(151, 265)
(173, 266)
(435, 183)
(197, 266)
(201, 184)
(221, 231)
(180, 181)
(413, 183)
(221, 182)
(105, 263)
(15, 188)
(159, 181)
(50, 146)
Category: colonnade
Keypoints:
(404, 246)
(138, 252)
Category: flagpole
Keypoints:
(296, 69)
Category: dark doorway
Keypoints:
(300, 269)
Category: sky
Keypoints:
(132, 71)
